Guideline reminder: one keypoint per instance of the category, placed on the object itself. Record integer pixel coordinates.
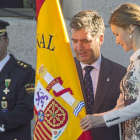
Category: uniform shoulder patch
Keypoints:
(23, 64)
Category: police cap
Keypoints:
(3, 25)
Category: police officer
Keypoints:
(16, 93)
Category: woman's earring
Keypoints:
(130, 36)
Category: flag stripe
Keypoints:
(35, 137)
(39, 134)
(42, 133)
(47, 133)
(46, 125)
(38, 6)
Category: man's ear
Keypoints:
(101, 40)
(7, 42)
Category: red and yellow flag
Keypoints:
(58, 101)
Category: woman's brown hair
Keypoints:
(125, 15)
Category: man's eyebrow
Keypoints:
(79, 40)
(73, 39)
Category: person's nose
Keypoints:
(117, 40)
(79, 46)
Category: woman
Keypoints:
(125, 24)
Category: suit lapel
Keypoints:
(104, 83)
(6, 69)
(80, 74)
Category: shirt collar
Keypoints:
(135, 55)
(4, 61)
(96, 64)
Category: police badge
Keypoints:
(4, 104)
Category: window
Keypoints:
(17, 8)
(11, 3)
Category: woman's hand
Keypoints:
(92, 121)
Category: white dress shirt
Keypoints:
(4, 61)
(94, 73)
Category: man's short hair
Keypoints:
(88, 20)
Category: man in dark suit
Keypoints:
(16, 93)
(87, 34)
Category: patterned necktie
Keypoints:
(89, 88)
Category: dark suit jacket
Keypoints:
(107, 94)
(19, 111)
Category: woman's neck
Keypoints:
(136, 41)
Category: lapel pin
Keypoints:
(108, 80)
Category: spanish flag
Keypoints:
(58, 101)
